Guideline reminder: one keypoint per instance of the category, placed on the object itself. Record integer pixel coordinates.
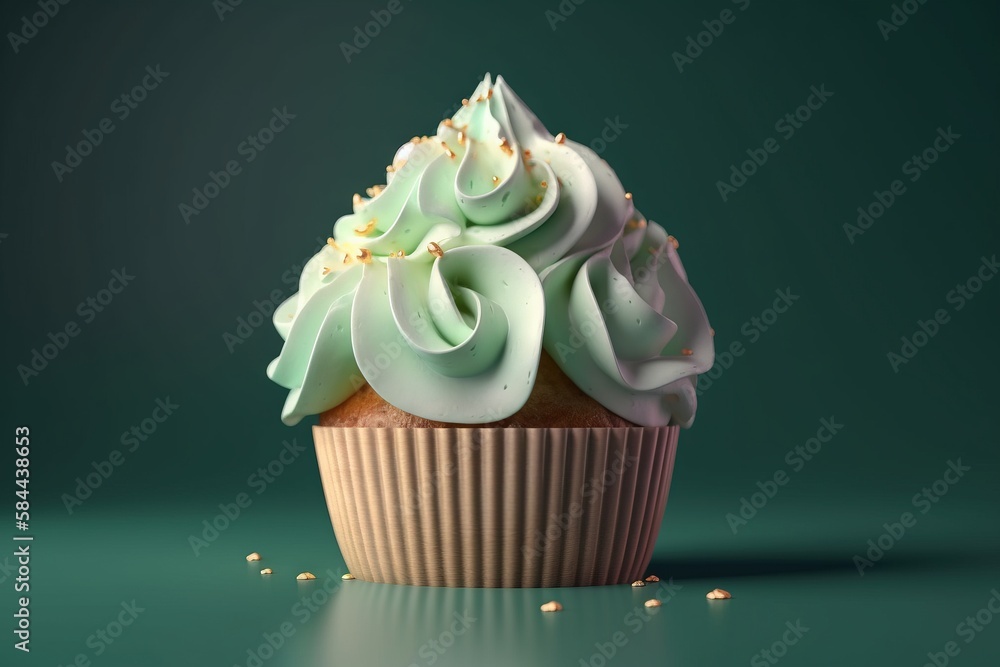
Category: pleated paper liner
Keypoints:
(495, 507)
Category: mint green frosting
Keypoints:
(539, 244)
(624, 324)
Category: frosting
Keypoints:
(624, 324)
(457, 340)
(438, 287)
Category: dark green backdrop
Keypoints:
(223, 73)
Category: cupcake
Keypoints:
(501, 350)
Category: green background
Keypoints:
(826, 357)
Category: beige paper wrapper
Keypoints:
(495, 507)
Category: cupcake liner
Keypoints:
(496, 507)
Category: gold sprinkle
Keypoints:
(480, 99)
(251, 557)
(389, 169)
(446, 122)
(434, 249)
(527, 153)
(711, 331)
(628, 195)
(306, 576)
(347, 577)
(653, 603)
(652, 577)
(326, 270)
(414, 140)
(365, 255)
(638, 583)
(551, 606)
(561, 138)
(357, 199)
(654, 250)
(374, 191)
(448, 151)
(559, 181)
(496, 179)
(539, 198)
(674, 242)
(687, 351)
(489, 93)
(398, 165)
(505, 147)
(267, 570)
(544, 184)
(461, 138)
(365, 229)
(347, 258)
(718, 594)
(465, 102)
(330, 242)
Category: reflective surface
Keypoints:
(115, 578)
(216, 609)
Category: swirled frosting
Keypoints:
(487, 239)
(624, 324)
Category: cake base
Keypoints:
(555, 402)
